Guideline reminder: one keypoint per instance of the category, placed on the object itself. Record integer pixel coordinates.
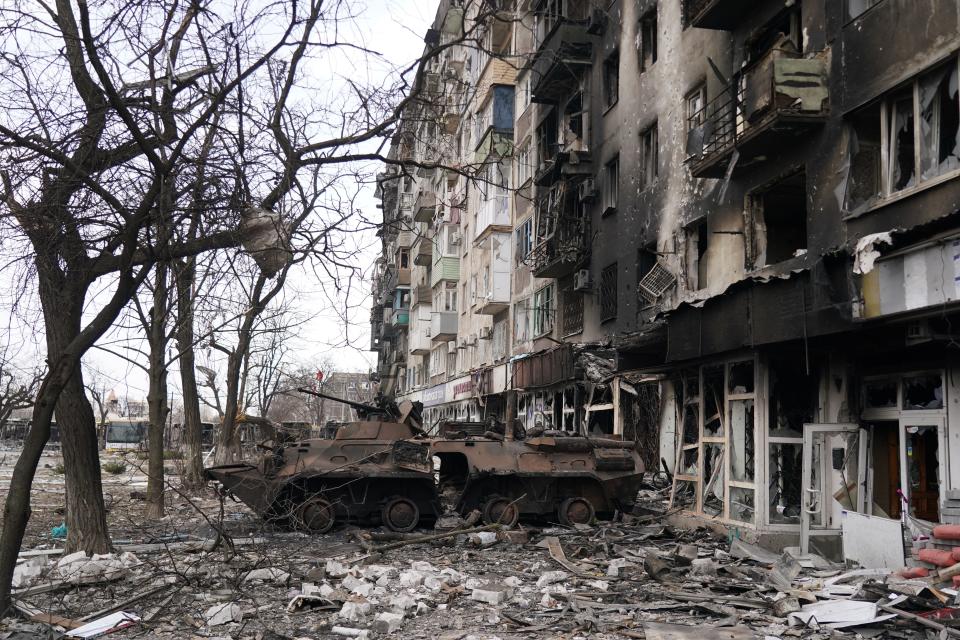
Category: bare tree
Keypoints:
(18, 389)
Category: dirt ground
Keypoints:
(634, 578)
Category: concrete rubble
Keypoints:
(635, 577)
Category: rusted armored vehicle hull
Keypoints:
(565, 479)
(374, 471)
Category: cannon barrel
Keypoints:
(363, 409)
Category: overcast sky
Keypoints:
(394, 28)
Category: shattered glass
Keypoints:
(714, 479)
(785, 472)
(923, 392)
(902, 145)
(742, 505)
(939, 123)
(713, 401)
(742, 453)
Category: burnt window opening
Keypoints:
(608, 293)
(647, 37)
(571, 313)
(697, 243)
(783, 32)
(646, 260)
(649, 156)
(856, 8)
(923, 392)
(779, 221)
(713, 400)
(916, 153)
(547, 146)
(611, 185)
(864, 183)
(611, 79)
(575, 124)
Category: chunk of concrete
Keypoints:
(272, 574)
(388, 622)
(514, 536)
(495, 594)
(483, 539)
(223, 613)
(551, 577)
(402, 603)
(358, 586)
(356, 609)
(336, 569)
(412, 578)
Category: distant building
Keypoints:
(355, 387)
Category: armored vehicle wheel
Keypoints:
(400, 514)
(498, 510)
(576, 511)
(316, 515)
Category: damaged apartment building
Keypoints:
(727, 229)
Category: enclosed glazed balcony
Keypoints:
(426, 206)
(562, 57)
(419, 336)
(493, 283)
(443, 326)
(421, 295)
(423, 251)
(494, 134)
(768, 106)
(724, 15)
(493, 214)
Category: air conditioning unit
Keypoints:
(462, 343)
(486, 333)
(427, 332)
(452, 346)
(473, 340)
(457, 238)
(587, 190)
(597, 22)
(581, 280)
(656, 282)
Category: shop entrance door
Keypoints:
(834, 475)
(920, 456)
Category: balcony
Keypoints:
(724, 15)
(769, 106)
(423, 251)
(494, 130)
(446, 268)
(425, 206)
(400, 318)
(493, 215)
(443, 326)
(558, 63)
(419, 336)
(397, 277)
(494, 296)
(421, 295)
(563, 251)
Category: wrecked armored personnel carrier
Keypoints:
(551, 474)
(372, 471)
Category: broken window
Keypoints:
(646, 260)
(611, 79)
(785, 473)
(575, 124)
(547, 144)
(647, 39)
(741, 377)
(714, 479)
(916, 152)
(403, 259)
(611, 185)
(742, 450)
(779, 217)
(608, 293)
(939, 122)
(902, 170)
(880, 394)
(923, 392)
(713, 397)
(863, 182)
(649, 156)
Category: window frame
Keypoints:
(649, 156)
(611, 185)
(611, 79)
(886, 194)
(648, 19)
(699, 117)
(544, 317)
(524, 239)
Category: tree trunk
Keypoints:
(228, 445)
(193, 477)
(157, 395)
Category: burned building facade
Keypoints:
(749, 207)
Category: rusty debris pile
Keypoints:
(636, 577)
